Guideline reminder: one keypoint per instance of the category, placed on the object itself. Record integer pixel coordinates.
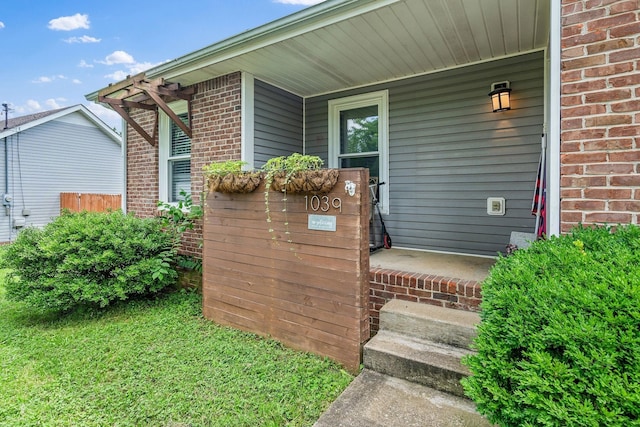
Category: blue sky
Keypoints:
(55, 52)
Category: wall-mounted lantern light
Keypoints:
(500, 96)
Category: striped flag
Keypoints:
(538, 205)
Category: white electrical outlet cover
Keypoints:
(496, 206)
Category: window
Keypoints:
(358, 137)
(175, 157)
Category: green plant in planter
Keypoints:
(297, 173)
(287, 174)
(228, 177)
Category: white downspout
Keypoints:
(553, 187)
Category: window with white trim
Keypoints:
(174, 156)
(359, 137)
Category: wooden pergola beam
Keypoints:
(127, 118)
(137, 92)
(155, 94)
(126, 104)
(117, 87)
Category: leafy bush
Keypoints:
(179, 217)
(559, 341)
(89, 258)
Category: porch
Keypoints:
(465, 267)
(441, 279)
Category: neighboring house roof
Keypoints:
(22, 123)
(339, 44)
(22, 120)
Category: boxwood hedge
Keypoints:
(559, 340)
(89, 259)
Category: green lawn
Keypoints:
(153, 362)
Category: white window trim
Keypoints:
(248, 120)
(164, 132)
(381, 100)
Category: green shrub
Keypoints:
(559, 341)
(89, 258)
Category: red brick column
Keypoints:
(216, 125)
(142, 167)
(600, 105)
(217, 135)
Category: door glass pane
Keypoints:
(371, 162)
(180, 179)
(359, 130)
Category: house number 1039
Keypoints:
(322, 203)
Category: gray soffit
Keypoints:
(341, 44)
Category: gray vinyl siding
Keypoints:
(55, 157)
(278, 123)
(448, 152)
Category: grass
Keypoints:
(153, 362)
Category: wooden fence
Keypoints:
(78, 202)
(301, 278)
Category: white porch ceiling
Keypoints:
(347, 43)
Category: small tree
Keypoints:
(559, 341)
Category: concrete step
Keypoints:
(424, 362)
(377, 400)
(427, 322)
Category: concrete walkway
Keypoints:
(376, 400)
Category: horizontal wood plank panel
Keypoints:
(216, 233)
(332, 328)
(326, 299)
(306, 288)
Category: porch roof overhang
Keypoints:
(341, 44)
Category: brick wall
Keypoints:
(217, 135)
(386, 285)
(216, 125)
(600, 111)
(142, 167)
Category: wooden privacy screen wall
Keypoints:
(303, 284)
(78, 202)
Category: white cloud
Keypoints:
(76, 82)
(118, 57)
(301, 2)
(139, 67)
(1, 24)
(48, 79)
(33, 105)
(53, 103)
(117, 75)
(84, 64)
(82, 39)
(68, 23)
(131, 70)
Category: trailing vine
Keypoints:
(279, 173)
